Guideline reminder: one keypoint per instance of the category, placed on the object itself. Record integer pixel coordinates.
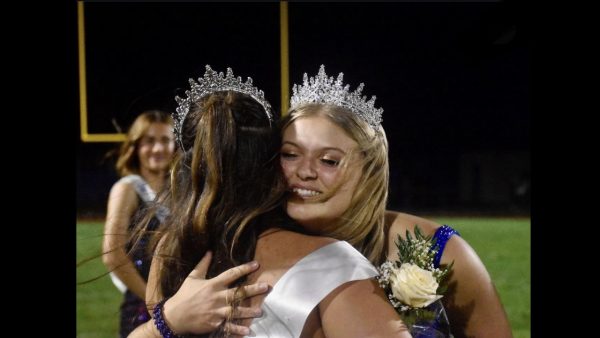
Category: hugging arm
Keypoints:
(474, 309)
(200, 306)
(471, 301)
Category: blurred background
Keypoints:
(453, 80)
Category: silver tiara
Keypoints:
(210, 83)
(323, 89)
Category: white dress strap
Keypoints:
(145, 192)
(142, 187)
(305, 284)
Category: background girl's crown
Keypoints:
(215, 82)
(323, 89)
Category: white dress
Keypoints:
(304, 285)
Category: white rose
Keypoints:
(413, 286)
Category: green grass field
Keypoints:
(503, 244)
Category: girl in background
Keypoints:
(143, 164)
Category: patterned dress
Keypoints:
(133, 308)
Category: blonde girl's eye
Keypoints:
(330, 162)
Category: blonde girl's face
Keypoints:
(311, 151)
(156, 147)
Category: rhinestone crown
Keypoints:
(324, 89)
(214, 82)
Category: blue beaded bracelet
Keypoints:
(160, 323)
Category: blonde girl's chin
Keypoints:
(310, 217)
(299, 212)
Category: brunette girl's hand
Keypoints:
(201, 305)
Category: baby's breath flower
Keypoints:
(420, 252)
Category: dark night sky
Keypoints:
(452, 78)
